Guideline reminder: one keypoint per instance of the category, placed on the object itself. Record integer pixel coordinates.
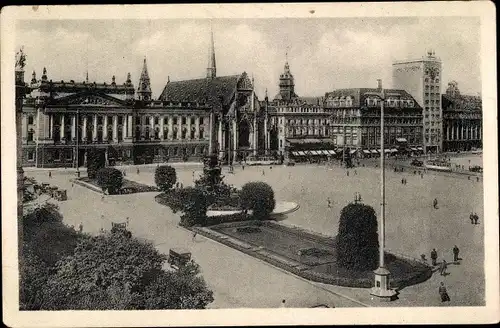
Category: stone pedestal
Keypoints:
(382, 290)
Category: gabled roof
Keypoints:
(90, 98)
(202, 90)
(462, 102)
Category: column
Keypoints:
(170, 127)
(197, 127)
(61, 130)
(220, 137)
(24, 132)
(211, 134)
(73, 127)
(84, 130)
(115, 128)
(188, 121)
(125, 126)
(94, 131)
(105, 129)
(235, 138)
(129, 126)
(162, 137)
(151, 127)
(51, 126)
(179, 128)
(255, 133)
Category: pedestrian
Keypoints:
(422, 257)
(434, 256)
(442, 268)
(137, 170)
(283, 304)
(243, 167)
(50, 174)
(477, 179)
(455, 253)
(476, 218)
(271, 168)
(102, 198)
(421, 176)
(194, 235)
(80, 227)
(355, 172)
(402, 181)
(435, 203)
(329, 202)
(443, 293)
(468, 177)
(127, 221)
(414, 172)
(347, 172)
(263, 173)
(471, 217)
(72, 184)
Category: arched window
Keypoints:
(137, 132)
(99, 133)
(193, 133)
(120, 133)
(183, 133)
(67, 133)
(202, 133)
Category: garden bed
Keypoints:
(311, 256)
(128, 186)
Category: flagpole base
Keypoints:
(381, 290)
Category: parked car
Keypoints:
(476, 168)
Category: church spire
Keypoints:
(144, 88)
(211, 69)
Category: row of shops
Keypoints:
(358, 153)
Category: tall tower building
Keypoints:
(144, 88)
(211, 69)
(287, 85)
(422, 79)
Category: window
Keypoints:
(69, 155)
(175, 120)
(120, 120)
(30, 135)
(138, 120)
(31, 155)
(99, 120)
(183, 120)
(192, 121)
(165, 120)
(30, 119)
(157, 120)
(201, 120)
(57, 155)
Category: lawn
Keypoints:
(128, 186)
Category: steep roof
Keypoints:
(359, 95)
(202, 90)
(462, 102)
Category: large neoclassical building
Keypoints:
(62, 120)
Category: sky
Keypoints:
(323, 53)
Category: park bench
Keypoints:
(178, 257)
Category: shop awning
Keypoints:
(353, 151)
(413, 148)
(295, 153)
(374, 151)
(394, 150)
(332, 152)
(301, 153)
(387, 150)
(419, 148)
(366, 151)
(401, 140)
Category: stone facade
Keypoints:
(422, 79)
(462, 120)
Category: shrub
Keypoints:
(357, 240)
(111, 179)
(165, 177)
(96, 159)
(258, 197)
(195, 207)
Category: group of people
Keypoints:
(403, 181)
(443, 293)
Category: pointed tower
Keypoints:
(287, 85)
(144, 88)
(211, 69)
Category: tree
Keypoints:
(258, 197)
(165, 177)
(195, 206)
(357, 240)
(114, 272)
(111, 179)
(96, 159)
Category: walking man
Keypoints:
(80, 227)
(434, 256)
(455, 253)
(283, 305)
(329, 202)
(476, 218)
(435, 203)
(137, 170)
(443, 293)
(50, 174)
(194, 235)
(471, 217)
(347, 172)
(127, 220)
(442, 268)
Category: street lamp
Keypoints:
(381, 288)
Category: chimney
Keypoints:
(379, 81)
